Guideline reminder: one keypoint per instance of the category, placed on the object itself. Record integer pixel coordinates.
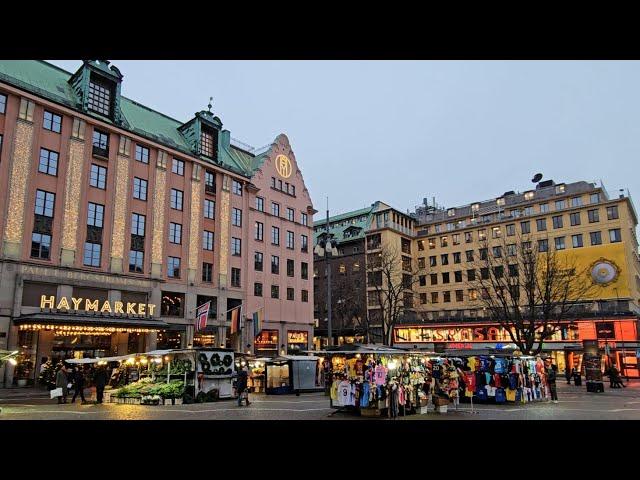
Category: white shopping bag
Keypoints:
(56, 392)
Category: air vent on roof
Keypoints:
(546, 183)
(510, 192)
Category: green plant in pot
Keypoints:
(23, 372)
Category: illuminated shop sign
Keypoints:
(88, 305)
(457, 334)
(605, 330)
(298, 337)
(267, 340)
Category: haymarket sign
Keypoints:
(86, 305)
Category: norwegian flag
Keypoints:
(202, 315)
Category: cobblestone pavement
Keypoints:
(575, 404)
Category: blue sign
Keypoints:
(499, 346)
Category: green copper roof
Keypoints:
(51, 82)
(339, 231)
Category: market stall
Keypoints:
(292, 373)
(375, 381)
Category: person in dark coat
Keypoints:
(567, 375)
(61, 382)
(78, 385)
(100, 380)
(241, 385)
(551, 380)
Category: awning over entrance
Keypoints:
(59, 319)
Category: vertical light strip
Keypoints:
(120, 207)
(18, 181)
(72, 198)
(224, 236)
(194, 229)
(158, 216)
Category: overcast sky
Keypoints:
(398, 131)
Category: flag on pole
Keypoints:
(235, 319)
(258, 318)
(202, 313)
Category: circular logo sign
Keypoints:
(283, 166)
(604, 272)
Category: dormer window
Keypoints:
(451, 212)
(100, 96)
(208, 142)
(559, 189)
(475, 207)
(500, 201)
(528, 195)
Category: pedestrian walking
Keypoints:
(617, 378)
(551, 380)
(567, 375)
(100, 380)
(609, 373)
(78, 385)
(61, 382)
(241, 385)
(577, 379)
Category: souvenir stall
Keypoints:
(292, 373)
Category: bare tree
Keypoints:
(393, 280)
(529, 290)
(350, 303)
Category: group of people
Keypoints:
(77, 379)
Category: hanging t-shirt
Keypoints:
(380, 375)
(496, 380)
(500, 395)
(351, 365)
(470, 381)
(364, 399)
(436, 370)
(501, 365)
(487, 376)
(485, 363)
(359, 368)
(513, 381)
(344, 393)
(511, 395)
(334, 390)
(472, 363)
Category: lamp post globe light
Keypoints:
(326, 247)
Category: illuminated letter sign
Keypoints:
(283, 166)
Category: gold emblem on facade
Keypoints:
(283, 166)
(604, 272)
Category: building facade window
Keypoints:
(207, 272)
(260, 204)
(139, 188)
(235, 277)
(275, 209)
(275, 264)
(175, 233)
(432, 261)
(594, 198)
(173, 267)
(136, 259)
(52, 122)
(543, 245)
(100, 143)
(259, 231)
(48, 162)
(612, 212)
(3, 103)
(207, 240)
(596, 238)
(257, 289)
(45, 202)
(40, 246)
(275, 291)
(137, 224)
(561, 204)
(304, 295)
(444, 259)
(100, 94)
(258, 261)
(275, 235)
(91, 257)
(95, 215)
(304, 243)
(525, 227)
(559, 243)
(471, 275)
(574, 219)
(98, 177)
(236, 217)
(541, 224)
(290, 268)
(236, 187)
(176, 199)
(236, 246)
(544, 208)
(290, 214)
(511, 229)
(209, 209)
(207, 144)
(469, 254)
(433, 278)
(456, 257)
(142, 154)
(177, 167)
(614, 235)
(594, 215)
(290, 293)
(304, 270)
(557, 221)
(290, 240)
(209, 182)
(576, 202)
(576, 240)
(304, 219)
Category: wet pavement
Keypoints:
(575, 404)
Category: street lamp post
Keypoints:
(326, 248)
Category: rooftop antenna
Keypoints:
(210, 100)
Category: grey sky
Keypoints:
(400, 131)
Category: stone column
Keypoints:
(72, 194)
(195, 237)
(20, 172)
(224, 225)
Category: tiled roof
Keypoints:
(338, 232)
(52, 83)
